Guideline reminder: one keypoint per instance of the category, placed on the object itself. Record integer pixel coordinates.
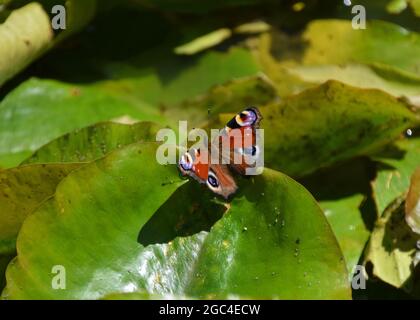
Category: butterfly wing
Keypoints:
(240, 137)
(192, 164)
(216, 175)
(220, 180)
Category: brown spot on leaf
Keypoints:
(75, 92)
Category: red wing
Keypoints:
(236, 145)
(220, 180)
(217, 177)
(192, 164)
(238, 142)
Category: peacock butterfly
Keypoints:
(234, 149)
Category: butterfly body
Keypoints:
(233, 150)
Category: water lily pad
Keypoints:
(364, 76)
(262, 247)
(24, 36)
(328, 124)
(366, 57)
(22, 190)
(204, 42)
(396, 165)
(343, 193)
(375, 44)
(169, 79)
(392, 247)
(27, 33)
(93, 142)
(213, 68)
(252, 27)
(232, 96)
(397, 6)
(412, 203)
(39, 111)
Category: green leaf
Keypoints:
(392, 247)
(216, 37)
(24, 36)
(365, 58)
(397, 6)
(172, 81)
(184, 89)
(22, 189)
(93, 142)
(329, 124)
(231, 96)
(176, 219)
(252, 27)
(363, 76)
(77, 106)
(27, 33)
(347, 223)
(39, 111)
(262, 247)
(204, 42)
(343, 193)
(266, 50)
(108, 175)
(415, 4)
(211, 69)
(396, 165)
(373, 45)
(412, 202)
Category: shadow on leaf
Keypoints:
(188, 211)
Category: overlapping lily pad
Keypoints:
(264, 242)
(363, 76)
(364, 46)
(28, 111)
(392, 248)
(22, 190)
(93, 142)
(329, 124)
(396, 164)
(344, 194)
(124, 227)
(27, 33)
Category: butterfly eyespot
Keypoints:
(212, 181)
(255, 150)
(186, 162)
(248, 151)
(246, 118)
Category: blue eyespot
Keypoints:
(255, 150)
(186, 162)
(249, 151)
(212, 180)
(246, 118)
